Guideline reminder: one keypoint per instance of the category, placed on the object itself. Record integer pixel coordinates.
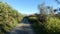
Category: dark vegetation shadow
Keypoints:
(39, 22)
(25, 29)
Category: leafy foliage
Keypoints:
(9, 17)
(53, 25)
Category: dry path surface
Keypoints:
(23, 28)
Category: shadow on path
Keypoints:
(23, 28)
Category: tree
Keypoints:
(51, 11)
(43, 9)
(57, 1)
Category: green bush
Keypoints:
(53, 25)
(9, 17)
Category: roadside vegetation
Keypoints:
(9, 17)
(46, 23)
(49, 25)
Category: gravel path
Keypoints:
(23, 28)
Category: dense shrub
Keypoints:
(9, 17)
(50, 26)
(53, 25)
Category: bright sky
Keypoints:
(29, 6)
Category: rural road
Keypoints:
(23, 28)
